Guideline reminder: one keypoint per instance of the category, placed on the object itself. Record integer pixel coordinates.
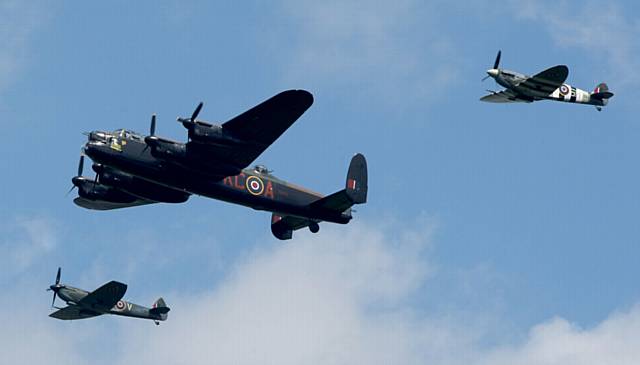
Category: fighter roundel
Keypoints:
(254, 185)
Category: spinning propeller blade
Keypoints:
(58, 275)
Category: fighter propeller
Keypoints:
(495, 68)
(55, 287)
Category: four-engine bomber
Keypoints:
(133, 170)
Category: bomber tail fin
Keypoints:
(335, 207)
(160, 309)
(357, 184)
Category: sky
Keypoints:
(493, 234)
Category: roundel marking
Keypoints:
(120, 305)
(254, 185)
(564, 89)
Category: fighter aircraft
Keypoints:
(133, 170)
(546, 85)
(107, 299)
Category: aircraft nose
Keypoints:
(492, 72)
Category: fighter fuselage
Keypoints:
(566, 93)
(73, 296)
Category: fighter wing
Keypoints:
(505, 96)
(105, 205)
(545, 82)
(258, 128)
(105, 297)
(73, 312)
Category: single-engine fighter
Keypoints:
(135, 170)
(107, 299)
(546, 85)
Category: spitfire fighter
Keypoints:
(546, 85)
(107, 299)
(133, 170)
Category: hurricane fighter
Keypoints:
(133, 170)
(107, 299)
(546, 85)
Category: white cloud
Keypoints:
(606, 31)
(327, 299)
(558, 342)
(391, 51)
(344, 296)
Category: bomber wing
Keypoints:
(545, 82)
(106, 205)
(73, 312)
(105, 297)
(257, 128)
(505, 96)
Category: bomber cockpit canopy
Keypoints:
(128, 134)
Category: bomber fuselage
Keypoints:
(170, 166)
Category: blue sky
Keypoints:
(492, 232)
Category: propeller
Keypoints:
(152, 130)
(152, 133)
(188, 123)
(80, 169)
(81, 165)
(55, 287)
(496, 64)
(196, 112)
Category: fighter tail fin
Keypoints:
(602, 92)
(160, 309)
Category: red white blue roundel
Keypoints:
(254, 185)
(564, 89)
(120, 305)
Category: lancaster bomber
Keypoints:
(107, 299)
(546, 85)
(133, 170)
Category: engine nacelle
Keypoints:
(166, 150)
(211, 134)
(93, 190)
(140, 188)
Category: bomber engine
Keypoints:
(208, 133)
(93, 190)
(166, 150)
(139, 187)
